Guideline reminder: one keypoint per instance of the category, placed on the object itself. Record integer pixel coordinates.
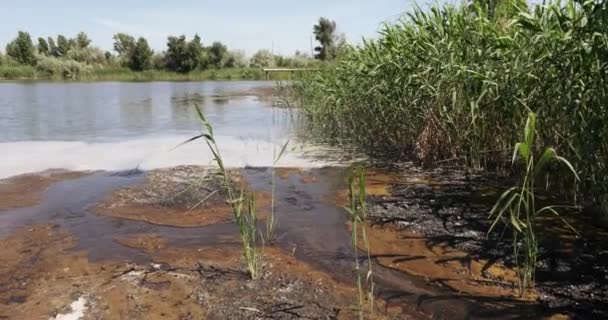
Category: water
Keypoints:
(122, 125)
(107, 111)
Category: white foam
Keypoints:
(77, 309)
(148, 153)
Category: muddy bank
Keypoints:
(418, 268)
(43, 279)
(434, 224)
(185, 196)
(27, 190)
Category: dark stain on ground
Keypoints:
(572, 274)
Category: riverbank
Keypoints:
(139, 244)
(28, 73)
(83, 263)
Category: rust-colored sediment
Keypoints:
(27, 190)
(277, 265)
(377, 183)
(439, 263)
(40, 278)
(414, 254)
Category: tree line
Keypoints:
(182, 55)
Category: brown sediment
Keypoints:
(414, 253)
(377, 183)
(303, 174)
(27, 190)
(146, 242)
(185, 196)
(285, 282)
(441, 264)
(41, 277)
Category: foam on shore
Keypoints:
(152, 153)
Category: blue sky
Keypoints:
(245, 25)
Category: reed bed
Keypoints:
(455, 84)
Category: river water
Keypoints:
(123, 125)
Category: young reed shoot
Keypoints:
(357, 212)
(517, 207)
(272, 221)
(246, 221)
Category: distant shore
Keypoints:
(25, 73)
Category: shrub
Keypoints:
(14, 72)
(64, 69)
(88, 55)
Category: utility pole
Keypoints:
(312, 50)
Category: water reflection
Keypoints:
(109, 111)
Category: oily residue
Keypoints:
(448, 219)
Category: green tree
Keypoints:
(236, 59)
(22, 49)
(53, 50)
(183, 56)
(159, 61)
(217, 54)
(63, 45)
(262, 58)
(324, 32)
(123, 44)
(140, 56)
(43, 46)
(82, 40)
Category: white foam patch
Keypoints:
(77, 309)
(151, 153)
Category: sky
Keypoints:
(280, 25)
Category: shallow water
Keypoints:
(121, 125)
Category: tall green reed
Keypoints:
(357, 211)
(272, 221)
(517, 207)
(246, 220)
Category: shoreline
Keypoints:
(126, 75)
(413, 255)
